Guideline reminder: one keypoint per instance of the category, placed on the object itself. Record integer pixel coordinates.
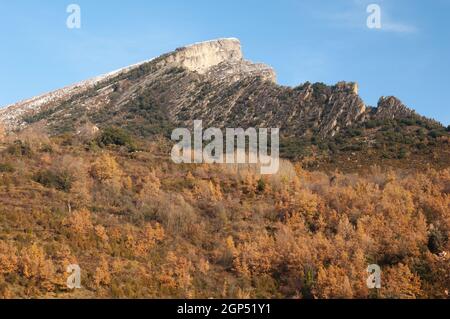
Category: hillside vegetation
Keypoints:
(140, 226)
(86, 179)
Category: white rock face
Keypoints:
(200, 57)
(222, 58)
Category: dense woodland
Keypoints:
(140, 226)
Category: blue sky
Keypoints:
(304, 40)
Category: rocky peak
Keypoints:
(390, 107)
(349, 87)
(200, 57)
(219, 59)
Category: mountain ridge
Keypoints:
(216, 59)
(211, 81)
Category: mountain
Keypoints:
(211, 81)
(86, 179)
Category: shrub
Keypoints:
(116, 136)
(19, 148)
(435, 134)
(402, 154)
(320, 87)
(354, 132)
(62, 180)
(352, 148)
(408, 121)
(261, 187)
(6, 168)
(371, 124)
(436, 241)
(46, 148)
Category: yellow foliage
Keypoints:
(149, 237)
(105, 168)
(398, 282)
(102, 276)
(35, 265)
(176, 274)
(333, 282)
(101, 233)
(153, 229)
(79, 222)
(8, 258)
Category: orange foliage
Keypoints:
(149, 229)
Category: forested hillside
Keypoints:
(140, 226)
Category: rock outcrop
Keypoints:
(390, 108)
(221, 58)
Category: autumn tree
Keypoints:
(105, 168)
(35, 266)
(399, 282)
(8, 258)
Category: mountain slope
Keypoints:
(100, 190)
(211, 81)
